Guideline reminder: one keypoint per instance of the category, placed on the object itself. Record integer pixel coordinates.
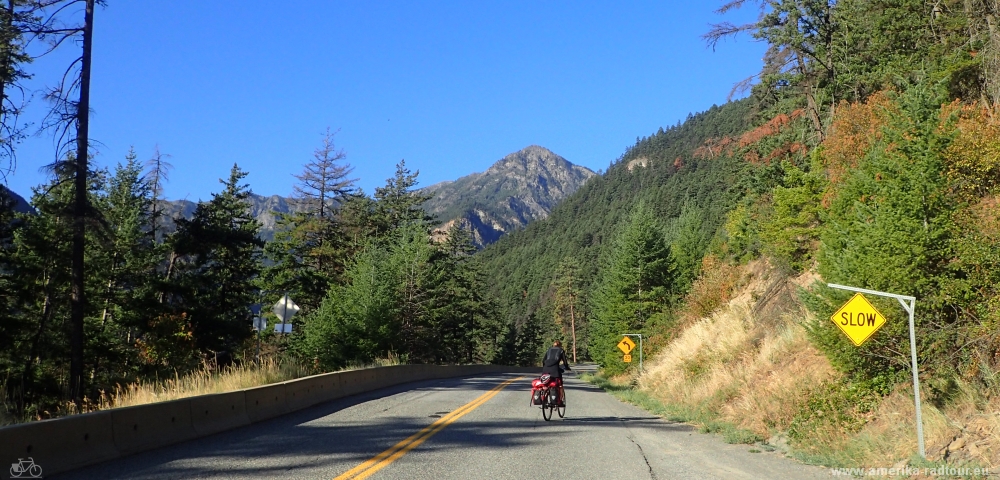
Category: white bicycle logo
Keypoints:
(25, 467)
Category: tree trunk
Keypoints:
(77, 300)
(8, 25)
(572, 328)
(35, 342)
(170, 271)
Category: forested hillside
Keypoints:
(687, 195)
(866, 153)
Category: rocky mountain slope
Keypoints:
(20, 204)
(518, 189)
(264, 209)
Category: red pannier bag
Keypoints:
(537, 385)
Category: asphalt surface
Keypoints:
(502, 437)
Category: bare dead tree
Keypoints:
(157, 173)
(325, 178)
(80, 211)
(29, 29)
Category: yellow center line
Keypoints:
(383, 459)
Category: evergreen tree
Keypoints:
(397, 204)
(357, 320)
(125, 263)
(687, 247)
(890, 227)
(457, 303)
(633, 285)
(567, 302)
(217, 260)
(311, 246)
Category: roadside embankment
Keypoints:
(749, 372)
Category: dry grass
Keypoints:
(207, 380)
(203, 382)
(750, 364)
(749, 374)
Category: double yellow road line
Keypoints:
(383, 459)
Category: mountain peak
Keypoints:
(530, 158)
(519, 188)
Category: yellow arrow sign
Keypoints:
(858, 319)
(626, 345)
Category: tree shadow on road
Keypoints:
(317, 440)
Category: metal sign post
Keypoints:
(640, 346)
(909, 304)
(258, 324)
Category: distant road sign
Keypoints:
(285, 309)
(626, 345)
(283, 327)
(858, 319)
(259, 323)
(627, 358)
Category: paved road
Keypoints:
(496, 435)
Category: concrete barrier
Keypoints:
(391, 376)
(306, 392)
(356, 381)
(266, 402)
(60, 444)
(72, 442)
(144, 427)
(219, 412)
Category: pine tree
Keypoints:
(568, 296)
(457, 304)
(124, 266)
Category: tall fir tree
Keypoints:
(310, 246)
(217, 256)
(633, 284)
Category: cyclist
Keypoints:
(550, 365)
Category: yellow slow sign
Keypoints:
(858, 319)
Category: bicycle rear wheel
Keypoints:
(547, 405)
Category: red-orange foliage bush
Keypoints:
(855, 128)
(973, 157)
(711, 290)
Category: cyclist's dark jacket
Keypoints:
(550, 364)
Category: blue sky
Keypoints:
(451, 87)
